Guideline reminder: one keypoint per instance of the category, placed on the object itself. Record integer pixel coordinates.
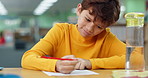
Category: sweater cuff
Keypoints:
(92, 63)
(52, 65)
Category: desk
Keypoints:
(25, 73)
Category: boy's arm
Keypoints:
(46, 46)
(115, 57)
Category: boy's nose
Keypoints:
(90, 28)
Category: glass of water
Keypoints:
(135, 41)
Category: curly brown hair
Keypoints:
(106, 11)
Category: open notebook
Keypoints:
(75, 72)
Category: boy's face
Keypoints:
(86, 24)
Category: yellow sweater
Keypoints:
(104, 50)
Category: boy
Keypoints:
(89, 41)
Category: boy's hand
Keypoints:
(83, 64)
(65, 66)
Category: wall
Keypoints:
(135, 5)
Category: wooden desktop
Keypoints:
(25, 73)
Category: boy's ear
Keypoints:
(78, 10)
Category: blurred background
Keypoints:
(24, 22)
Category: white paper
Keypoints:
(75, 72)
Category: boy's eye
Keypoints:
(87, 19)
(100, 27)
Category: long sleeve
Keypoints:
(114, 52)
(46, 46)
(111, 62)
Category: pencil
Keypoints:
(57, 58)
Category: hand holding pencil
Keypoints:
(69, 63)
(66, 66)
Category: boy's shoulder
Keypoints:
(64, 25)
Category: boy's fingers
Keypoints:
(82, 66)
(77, 66)
(67, 63)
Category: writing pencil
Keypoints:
(57, 58)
